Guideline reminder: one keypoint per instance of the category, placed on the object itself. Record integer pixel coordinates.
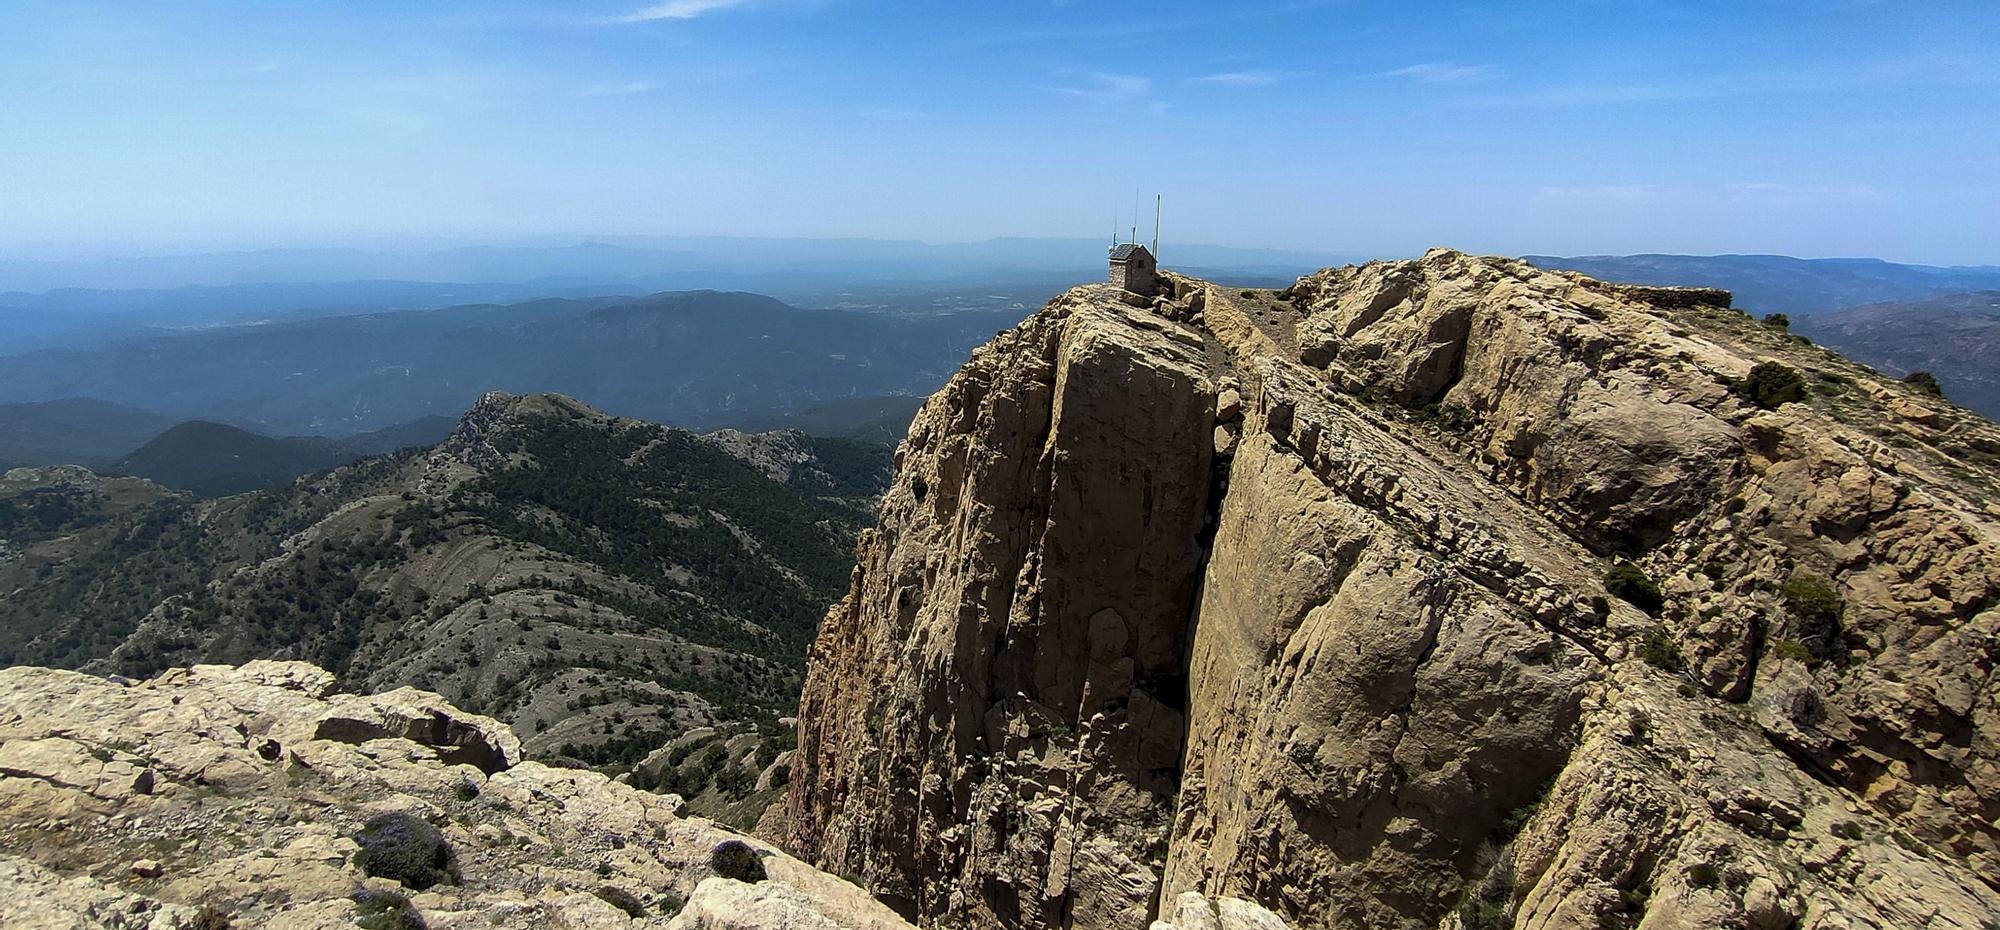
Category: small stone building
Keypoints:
(1132, 268)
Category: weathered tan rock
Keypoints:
(727, 904)
(1191, 911)
(1008, 686)
(1408, 699)
(260, 777)
(36, 898)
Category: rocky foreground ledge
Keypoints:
(220, 796)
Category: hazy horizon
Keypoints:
(1844, 129)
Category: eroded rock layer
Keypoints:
(1301, 597)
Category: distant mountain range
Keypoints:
(1956, 338)
(209, 459)
(603, 585)
(697, 358)
(1780, 284)
(629, 259)
(75, 431)
(215, 459)
(882, 420)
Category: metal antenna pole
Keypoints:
(1156, 227)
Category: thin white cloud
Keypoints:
(1439, 72)
(1098, 85)
(617, 88)
(678, 9)
(1241, 78)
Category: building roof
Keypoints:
(1125, 252)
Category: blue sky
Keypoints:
(1822, 128)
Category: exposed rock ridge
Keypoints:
(235, 793)
(1409, 699)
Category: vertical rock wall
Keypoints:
(996, 708)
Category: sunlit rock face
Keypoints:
(1299, 599)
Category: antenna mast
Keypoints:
(1156, 227)
(1135, 216)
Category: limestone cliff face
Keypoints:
(1300, 598)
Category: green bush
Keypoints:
(1658, 649)
(1771, 384)
(671, 903)
(1924, 381)
(1815, 610)
(1631, 584)
(385, 910)
(404, 848)
(1452, 418)
(1485, 904)
(1704, 875)
(1779, 320)
(736, 859)
(1785, 648)
(1477, 913)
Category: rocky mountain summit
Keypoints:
(1440, 593)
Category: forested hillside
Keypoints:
(604, 585)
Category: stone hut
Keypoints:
(1132, 268)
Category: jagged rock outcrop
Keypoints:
(1000, 697)
(1300, 598)
(221, 793)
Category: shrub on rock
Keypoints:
(1771, 384)
(385, 910)
(1629, 583)
(404, 848)
(1657, 647)
(738, 860)
(1924, 381)
(1815, 609)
